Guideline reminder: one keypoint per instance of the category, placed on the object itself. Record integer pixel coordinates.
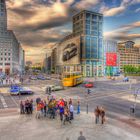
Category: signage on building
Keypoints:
(111, 59)
(69, 52)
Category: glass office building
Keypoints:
(90, 26)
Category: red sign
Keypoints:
(111, 59)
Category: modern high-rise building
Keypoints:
(11, 52)
(84, 46)
(129, 54)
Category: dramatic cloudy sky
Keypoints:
(38, 24)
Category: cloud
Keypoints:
(124, 32)
(112, 11)
(137, 10)
(85, 4)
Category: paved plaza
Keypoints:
(114, 96)
(27, 127)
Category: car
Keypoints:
(88, 84)
(55, 87)
(126, 79)
(41, 77)
(69, 51)
(117, 74)
(2, 76)
(14, 89)
(33, 78)
(48, 78)
(25, 90)
(18, 90)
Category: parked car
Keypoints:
(33, 78)
(55, 87)
(48, 78)
(117, 74)
(16, 90)
(88, 84)
(41, 77)
(2, 76)
(25, 90)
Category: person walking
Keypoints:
(81, 137)
(61, 112)
(71, 108)
(78, 107)
(22, 107)
(97, 114)
(45, 108)
(38, 111)
(102, 114)
(67, 115)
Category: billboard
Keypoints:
(69, 52)
(111, 59)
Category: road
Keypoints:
(105, 93)
(109, 94)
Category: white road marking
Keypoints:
(14, 101)
(3, 101)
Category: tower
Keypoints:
(3, 15)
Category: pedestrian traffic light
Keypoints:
(89, 91)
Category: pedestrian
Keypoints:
(102, 114)
(97, 114)
(26, 107)
(45, 108)
(61, 112)
(78, 107)
(81, 137)
(67, 115)
(38, 111)
(70, 101)
(22, 107)
(71, 108)
(31, 106)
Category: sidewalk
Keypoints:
(27, 127)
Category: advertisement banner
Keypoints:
(69, 52)
(111, 59)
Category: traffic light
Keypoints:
(89, 91)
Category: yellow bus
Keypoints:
(72, 79)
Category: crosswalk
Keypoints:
(3, 101)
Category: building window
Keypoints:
(7, 64)
(1, 58)
(88, 16)
(94, 17)
(5, 59)
(9, 59)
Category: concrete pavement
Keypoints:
(27, 127)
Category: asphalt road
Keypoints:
(105, 93)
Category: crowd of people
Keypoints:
(26, 107)
(50, 107)
(10, 80)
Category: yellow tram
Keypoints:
(72, 79)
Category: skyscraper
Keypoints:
(87, 37)
(11, 52)
(89, 25)
(3, 15)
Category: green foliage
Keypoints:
(131, 70)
